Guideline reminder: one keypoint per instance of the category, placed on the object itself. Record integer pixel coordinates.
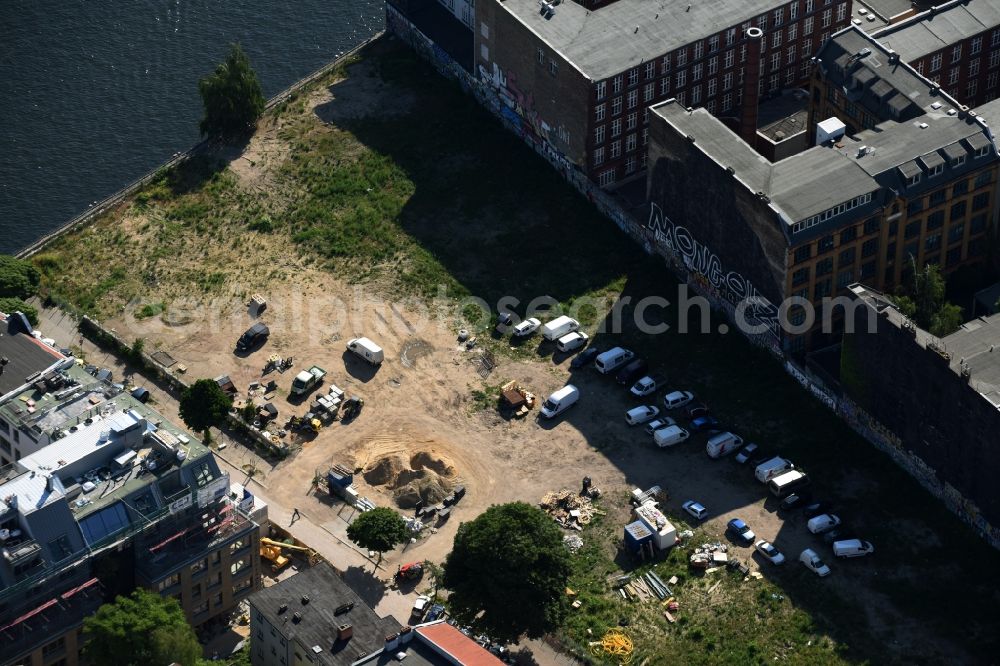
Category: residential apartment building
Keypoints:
(856, 207)
(583, 80)
(314, 617)
(955, 44)
(119, 498)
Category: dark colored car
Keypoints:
(505, 322)
(740, 531)
(705, 424)
(631, 372)
(813, 509)
(759, 456)
(795, 500)
(252, 337)
(586, 357)
(696, 410)
(435, 613)
(839, 534)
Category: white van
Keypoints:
(612, 359)
(788, 482)
(769, 469)
(722, 444)
(366, 349)
(852, 548)
(571, 341)
(670, 435)
(560, 401)
(559, 327)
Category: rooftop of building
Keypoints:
(310, 606)
(872, 77)
(974, 349)
(456, 646)
(784, 116)
(26, 355)
(888, 9)
(626, 33)
(938, 27)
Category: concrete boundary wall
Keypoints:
(853, 415)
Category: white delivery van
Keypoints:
(722, 444)
(670, 435)
(571, 341)
(769, 469)
(560, 401)
(788, 482)
(559, 327)
(852, 548)
(366, 349)
(612, 359)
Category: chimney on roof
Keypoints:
(751, 87)
(405, 635)
(344, 632)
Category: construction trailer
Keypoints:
(664, 533)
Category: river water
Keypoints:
(94, 93)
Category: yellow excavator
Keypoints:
(271, 550)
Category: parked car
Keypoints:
(420, 605)
(677, 399)
(647, 385)
(814, 563)
(744, 454)
(759, 457)
(795, 500)
(586, 357)
(839, 533)
(695, 509)
(670, 436)
(632, 371)
(813, 509)
(435, 613)
(505, 321)
(769, 552)
(638, 415)
(822, 523)
(656, 424)
(705, 424)
(852, 548)
(526, 327)
(253, 336)
(740, 531)
(572, 341)
(695, 410)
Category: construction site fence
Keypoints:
(860, 421)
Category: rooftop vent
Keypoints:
(952, 112)
(400, 656)
(296, 617)
(862, 151)
(305, 599)
(343, 608)
(316, 649)
(936, 105)
(922, 125)
(282, 608)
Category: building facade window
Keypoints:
(935, 62)
(630, 142)
(649, 92)
(168, 582)
(599, 135)
(633, 76)
(633, 98)
(616, 127)
(616, 85)
(601, 89)
(616, 149)
(606, 178)
(599, 156)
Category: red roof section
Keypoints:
(457, 645)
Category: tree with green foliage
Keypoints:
(924, 302)
(507, 573)
(204, 404)
(142, 628)
(232, 97)
(380, 529)
(10, 305)
(18, 278)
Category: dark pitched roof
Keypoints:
(319, 621)
(25, 355)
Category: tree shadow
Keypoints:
(369, 587)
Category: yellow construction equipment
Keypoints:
(271, 551)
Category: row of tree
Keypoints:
(19, 280)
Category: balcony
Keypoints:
(22, 553)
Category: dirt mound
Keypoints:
(428, 460)
(384, 471)
(424, 486)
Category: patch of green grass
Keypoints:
(485, 398)
(150, 310)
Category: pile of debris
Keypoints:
(516, 398)
(571, 510)
(646, 587)
(573, 542)
(710, 555)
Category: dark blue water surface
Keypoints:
(95, 93)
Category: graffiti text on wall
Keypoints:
(700, 259)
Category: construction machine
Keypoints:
(271, 550)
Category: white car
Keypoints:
(638, 415)
(695, 509)
(656, 424)
(813, 563)
(647, 385)
(526, 327)
(572, 341)
(769, 552)
(822, 523)
(677, 399)
(420, 605)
